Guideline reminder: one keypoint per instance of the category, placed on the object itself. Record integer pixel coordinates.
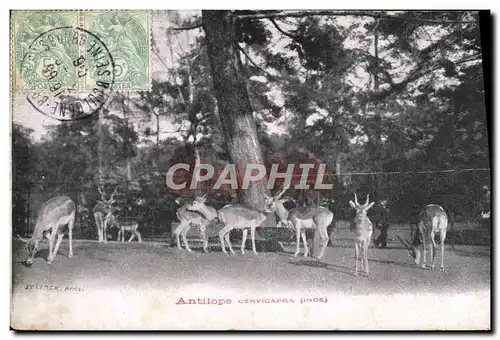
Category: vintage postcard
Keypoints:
(250, 170)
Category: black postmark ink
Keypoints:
(70, 73)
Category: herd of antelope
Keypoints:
(59, 212)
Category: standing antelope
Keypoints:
(112, 221)
(233, 216)
(101, 210)
(301, 218)
(363, 229)
(431, 220)
(53, 216)
(188, 218)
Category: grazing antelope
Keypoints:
(302, 218)
(233, 216)
(188, 218)
(101, 210)
(112, 221)
(363, 229)
(431, 220)
(53, 216)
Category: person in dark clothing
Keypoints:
(485, 208)
(382, 223)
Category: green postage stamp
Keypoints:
(75, 51)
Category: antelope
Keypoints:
(101, 209)
(53, 216)
(301, 218)
(363, 229)
(188, 218)
(122, 226)
(431, 220)
(233, 216)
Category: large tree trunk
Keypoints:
(379, 185)
(235, 112)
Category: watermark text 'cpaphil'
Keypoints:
(298, 176)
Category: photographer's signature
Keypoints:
(55, 288)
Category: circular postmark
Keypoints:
(70, 73)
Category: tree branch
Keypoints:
(186, 28)
(373, 14)
(254, 64)
(291, 36)
(473, 57)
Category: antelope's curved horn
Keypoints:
(356, 199)
(22, 239)
(281, 193)
(367, 199)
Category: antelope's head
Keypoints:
(361, 209)
(31, 247)
(198, 203)
(412, 249)
(271, 203)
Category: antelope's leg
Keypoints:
(356, 255)
(138, 235)
(243, 241)
(228, 241)
(184, 237)
(423, 257)
(442, 237)
(105, 231)
(323, 234)
(304, 240)
(131, 237)
(203, 234)
(177, 232)
(70, 237)
(297, 232)
(98, 222)
(366, 245)
(56, 248)
(252, 234)
(333, 236)
(222, 234)
(52, 237)
(433, 250)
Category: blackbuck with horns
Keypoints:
(101, 210)
(431, 221)
(55, 214)
(363, 230)
(301, 218)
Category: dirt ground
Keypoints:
(96, 265)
